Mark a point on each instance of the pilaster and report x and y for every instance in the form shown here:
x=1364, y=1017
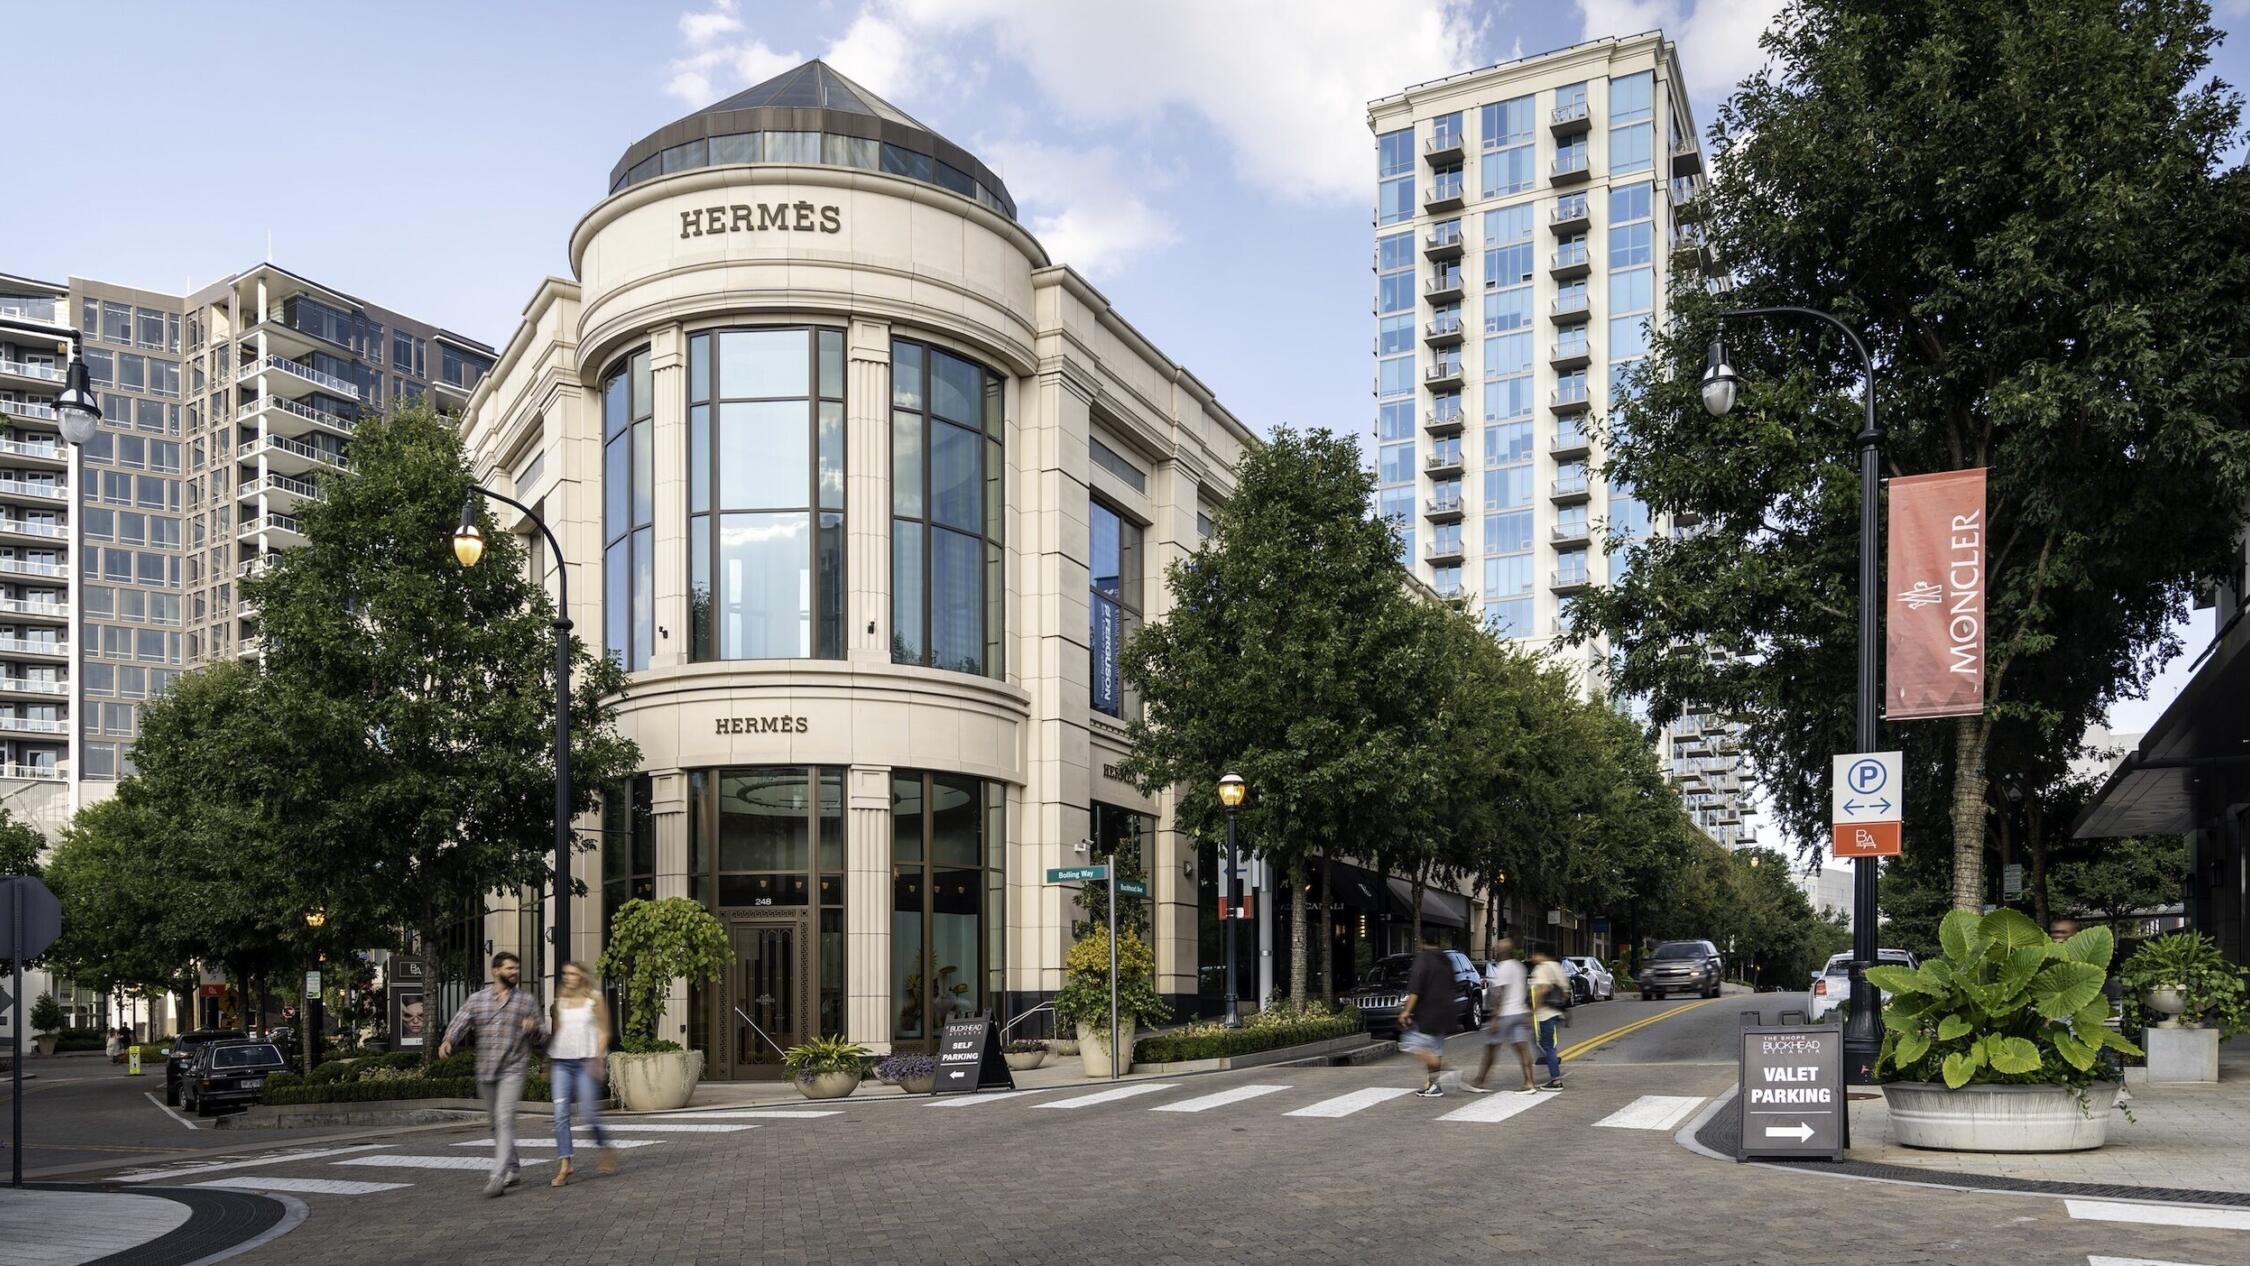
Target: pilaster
x=867, y=907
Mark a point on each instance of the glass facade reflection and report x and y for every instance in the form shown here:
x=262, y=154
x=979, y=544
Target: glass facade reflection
x=629, y=512
x=948, y=900
x=946, y=506
x=772, y=839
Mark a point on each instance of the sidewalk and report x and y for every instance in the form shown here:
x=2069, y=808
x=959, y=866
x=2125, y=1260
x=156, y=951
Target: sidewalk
x=48, y=1227
x=2187, y=1138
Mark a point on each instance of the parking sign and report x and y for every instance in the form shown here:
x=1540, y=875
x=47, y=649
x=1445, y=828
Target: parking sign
x=1866, y=805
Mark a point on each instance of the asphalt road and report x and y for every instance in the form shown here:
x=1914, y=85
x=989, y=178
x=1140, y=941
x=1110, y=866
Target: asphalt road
x=1276, y=1164
x=82, y=1110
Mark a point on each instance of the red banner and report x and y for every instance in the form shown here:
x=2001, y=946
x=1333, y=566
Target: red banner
x=1935, y=629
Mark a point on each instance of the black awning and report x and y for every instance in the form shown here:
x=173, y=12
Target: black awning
x=1446, y=909
x=2195, y=757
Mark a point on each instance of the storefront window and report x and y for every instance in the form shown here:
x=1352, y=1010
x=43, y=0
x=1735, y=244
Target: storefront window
x=766, y=494
x=628, y=847
x=946, y=506
x=948, y=850
x=773, y=839
x=628, y=513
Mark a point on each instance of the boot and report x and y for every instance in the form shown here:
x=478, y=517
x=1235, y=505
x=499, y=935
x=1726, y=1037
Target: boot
x=562, y=1172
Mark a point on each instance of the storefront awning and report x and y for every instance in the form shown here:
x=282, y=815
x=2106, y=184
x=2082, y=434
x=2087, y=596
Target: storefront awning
x=2194, y=759
x=1446, y=909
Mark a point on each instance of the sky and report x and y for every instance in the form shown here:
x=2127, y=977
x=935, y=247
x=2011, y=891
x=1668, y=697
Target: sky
x=1206, y=163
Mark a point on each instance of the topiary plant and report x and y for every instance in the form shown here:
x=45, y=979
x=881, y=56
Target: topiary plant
x=46, y=1015
x=653, y=944
x=2003, y=1004
x=1084, y=998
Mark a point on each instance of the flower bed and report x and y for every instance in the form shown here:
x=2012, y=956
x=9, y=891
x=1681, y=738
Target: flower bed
x=401, y=1075
x=1265, y=1031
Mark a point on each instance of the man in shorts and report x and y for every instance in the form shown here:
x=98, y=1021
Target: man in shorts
x=1430, y=1014
x=1508, y=995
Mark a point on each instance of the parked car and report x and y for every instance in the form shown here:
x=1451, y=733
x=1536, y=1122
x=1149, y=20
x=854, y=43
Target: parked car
x=1682, y=967
x=229, y=1074
x=1833, y=986
x=1600, y=985
x=179, y=1057
x=1581, y=989
x=1382, y=991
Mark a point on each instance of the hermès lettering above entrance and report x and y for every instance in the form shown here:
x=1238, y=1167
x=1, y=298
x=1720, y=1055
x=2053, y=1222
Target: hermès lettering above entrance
x=761, y=217
x=763, y=725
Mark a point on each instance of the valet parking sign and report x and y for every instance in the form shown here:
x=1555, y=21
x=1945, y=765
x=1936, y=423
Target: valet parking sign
x=1866, y=806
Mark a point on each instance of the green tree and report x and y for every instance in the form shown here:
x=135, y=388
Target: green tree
x=2115, y=878
x=123, y=921
x=1276, y=662
x=2021, y=208
x=20, y=845
x=652, y=946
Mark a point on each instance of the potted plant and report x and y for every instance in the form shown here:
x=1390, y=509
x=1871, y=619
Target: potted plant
x=46, y=1023
x=2185, y=979
x=1996, y=1045
x=1024, y=1054
x=654, y=945
x=827, y=1067
x=914, y=1074
x=1084, y=999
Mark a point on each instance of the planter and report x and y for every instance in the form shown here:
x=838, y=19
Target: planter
x=915, y=1085
x=2166, y=1002
x=657, y=1081
x=44, y=1043
x=1062, y=1047
x=833, y=1085
x=2182, y=1056
x=1999, y=1118
x=1024, y=1061
x=1093, y=1048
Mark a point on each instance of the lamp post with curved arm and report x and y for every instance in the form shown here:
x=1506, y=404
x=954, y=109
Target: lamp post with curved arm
x=1863, y=1038
x=468, y=550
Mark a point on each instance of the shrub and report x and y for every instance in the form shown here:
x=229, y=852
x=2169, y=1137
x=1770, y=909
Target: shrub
x=647, y=1046
x=535, y=1089
x=2210, y=986
x=1209, y=1041
x=1084, y=998
x=1024, y=1046
x=47, y=1016
x=652, y=944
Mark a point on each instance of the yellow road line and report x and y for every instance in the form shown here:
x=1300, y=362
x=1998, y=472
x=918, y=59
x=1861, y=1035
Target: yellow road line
x=1576, y=1049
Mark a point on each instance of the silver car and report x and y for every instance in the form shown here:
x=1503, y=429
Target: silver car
x=1600, y=985
x=1833, y=987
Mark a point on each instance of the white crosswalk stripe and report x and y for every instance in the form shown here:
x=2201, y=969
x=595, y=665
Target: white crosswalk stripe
x=972, y=1101
x=1346, y=1104
x=303, y=1186
x=431, y=1162
x=280, y=1158
x=2099, y=1260
x=752, y=1114
x=1107, y=1096
x=2159, y=1214
x=1499, y=1106
x=1205, y=1103
x=1651, y=1112
x=636, y=1127
x=577, y=1141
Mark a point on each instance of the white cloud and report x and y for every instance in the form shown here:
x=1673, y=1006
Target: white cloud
x=1718, y=39
x=701, y=29
x=875, y=53
x=1085, y=205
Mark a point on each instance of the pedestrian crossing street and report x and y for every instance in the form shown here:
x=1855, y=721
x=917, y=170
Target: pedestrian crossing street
x=378, y=1168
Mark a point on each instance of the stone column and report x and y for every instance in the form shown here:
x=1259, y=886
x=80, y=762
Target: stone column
x=867, y=496
x=867, y=907
x=668, y=363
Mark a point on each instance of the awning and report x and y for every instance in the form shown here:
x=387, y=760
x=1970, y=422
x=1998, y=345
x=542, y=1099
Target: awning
x=2196, y=756
x=1446, y=909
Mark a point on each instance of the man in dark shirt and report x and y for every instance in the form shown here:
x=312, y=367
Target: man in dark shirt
x=1431, y=1013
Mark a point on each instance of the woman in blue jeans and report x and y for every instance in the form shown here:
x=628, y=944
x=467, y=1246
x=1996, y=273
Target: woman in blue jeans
x=579, y=1025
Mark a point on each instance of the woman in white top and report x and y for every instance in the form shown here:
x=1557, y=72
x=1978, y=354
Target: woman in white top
x=579, y=1023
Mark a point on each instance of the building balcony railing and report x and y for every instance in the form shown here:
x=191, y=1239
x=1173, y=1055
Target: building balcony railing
x=1570, y=167
x=1570, y=117
x=1570, y=261
x=41, y=311
x=33, y=450
x=25, y=369
x=1444, y=195
x=1571, y=353
x=1444, y=145
x=1570, y=488
x=1569, y=438
x=1444, y=330
x=1444, y=421
x=1568, y=531
x=1443, y=507
x=33, y=686
x=29, y=410
x=1443, y=551
x=1570, y=303
x=25, y=567
x=26, y=527
x=1443, y=285
x=34, y=773
x=249, y=567
x=271, y=523
x=1569, y=396
x=327, y=382
x=301, y=488
x=1446, y=241
x=1446, y=371
x=1443, y=459
x=1454, y=593
x=25, y=488
x=278, y=444
x=1569, y=579
x=318, y=417
x=24, y=608
x=34, y=646
x=32, y=725
x=1570, y=213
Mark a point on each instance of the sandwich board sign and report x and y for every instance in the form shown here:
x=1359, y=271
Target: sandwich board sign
x=969, y=1060
x=1792, y=1092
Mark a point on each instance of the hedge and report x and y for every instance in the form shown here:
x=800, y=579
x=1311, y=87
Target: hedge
x=1168, y=1048
x=535, y=1090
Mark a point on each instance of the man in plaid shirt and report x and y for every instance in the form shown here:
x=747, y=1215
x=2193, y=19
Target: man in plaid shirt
x=506, y=1026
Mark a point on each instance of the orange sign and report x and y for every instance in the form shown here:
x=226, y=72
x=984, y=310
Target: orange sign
x=1935, y=626
x=1865, y=839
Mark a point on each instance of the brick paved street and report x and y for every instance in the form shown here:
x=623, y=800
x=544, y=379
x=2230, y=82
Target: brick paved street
x=1267, y=1165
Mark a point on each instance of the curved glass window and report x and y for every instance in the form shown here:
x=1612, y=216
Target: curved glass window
x=766, y=494
x=946, y=505
x=948, y=918
x=816, y=149
x=629, y=512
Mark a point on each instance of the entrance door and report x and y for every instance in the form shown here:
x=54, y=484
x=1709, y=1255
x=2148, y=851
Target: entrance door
x=768, y=991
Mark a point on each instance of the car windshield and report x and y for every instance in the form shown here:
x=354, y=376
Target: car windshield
x=1683, y=949
x=247, y=1055
x=1391, y=971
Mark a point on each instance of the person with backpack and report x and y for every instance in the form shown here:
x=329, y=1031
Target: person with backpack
x=1550, y=991
x=1431, y=1012
x=1508, y=1001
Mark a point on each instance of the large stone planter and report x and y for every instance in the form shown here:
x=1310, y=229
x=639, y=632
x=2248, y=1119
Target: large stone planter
x=2180, y=1056
x=2167, y=1003
x=44, y=1043
x=831, y=1085
x=1999, y=1118
x=1024, y=1061
x=657, y=1081
x=1093, y=1048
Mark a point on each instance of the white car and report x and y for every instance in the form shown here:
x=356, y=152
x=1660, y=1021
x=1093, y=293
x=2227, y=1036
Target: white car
x=1833, y=987
x=1600, y=985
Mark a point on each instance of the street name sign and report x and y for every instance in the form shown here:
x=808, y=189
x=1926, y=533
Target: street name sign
x=1866, y=805
x=969, y=1059
x=1076, y=874
x=1792, y=1093
x=1132, y=887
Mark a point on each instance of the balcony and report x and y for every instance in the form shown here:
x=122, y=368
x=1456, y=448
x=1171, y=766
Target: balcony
x=30, y=411
x=1689, y=246
x=1570, y=167
x=282, y=492
x=1445, y=459
x=33, y=773
x=1687, y=159
x=1446, y=241
x=43, y=374
x=1571, y=353
x=1444, y=147
x=1455, y=593
x=1443, y=286
x=1443, y=551
x=1570, y=397
x=290, y=417
x=27, y=609
x=32, y=725
x=281, y=527
x=26, y=567
x=33, y=490
x=33, y=686
x=1569, y=441
x=1444, y=331
x=38, y=311
x=35, y=648
x=288, y=378
x=1443, y=373
x=1572, y=260
x=249, y=567
x=1445, y=194
x=1442, y=509
x=1570, y=215
x=290, y=457
x=1570, y=118
x=34, y=451
x=1570, y=304
x=1568, y=580
x=10, y=526
x=1570, y=488
x=1445, y=421
x=1565, y=532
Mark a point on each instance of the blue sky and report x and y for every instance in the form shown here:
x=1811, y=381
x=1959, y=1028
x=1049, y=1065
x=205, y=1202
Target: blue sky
x=1207, y=163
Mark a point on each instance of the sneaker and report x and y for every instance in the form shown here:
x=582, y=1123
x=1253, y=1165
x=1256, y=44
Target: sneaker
x=1429, y=1092
x=1556, y=1084
x=513, y=1178
x=495, y=1186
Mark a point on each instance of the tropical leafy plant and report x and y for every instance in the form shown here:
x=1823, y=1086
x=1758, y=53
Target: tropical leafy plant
x=651, y=945
x=823, y=1055
x=1084, y=998
x=2210, y=987
x=2003, y=1004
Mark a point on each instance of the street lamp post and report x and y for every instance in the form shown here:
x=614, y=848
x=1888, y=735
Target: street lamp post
x=1863, y=1038
x=311, y=1019
x=1231, y=791
x=468, y=549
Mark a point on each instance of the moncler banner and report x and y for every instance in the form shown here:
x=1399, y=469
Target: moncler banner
x=1935, y=634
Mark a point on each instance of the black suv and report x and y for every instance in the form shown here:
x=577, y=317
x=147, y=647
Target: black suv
x=1382, y=991
x=1682, y=967
x=229, y=1073
x=180, y=1056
